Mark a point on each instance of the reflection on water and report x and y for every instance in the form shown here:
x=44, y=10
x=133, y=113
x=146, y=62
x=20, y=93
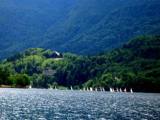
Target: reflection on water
x=38, y=104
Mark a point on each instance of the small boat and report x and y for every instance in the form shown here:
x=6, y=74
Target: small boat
x=120, y=90
x=84, y=89
x=103, y=89
x=50, y=88
x=87, y=89
x=55, y=88
x=30, y=86
x=131, y=90
x=117, y=90
x=91, y=89
x=96, y=89
x=111, y=90
x=71, y=88
x=125, y=90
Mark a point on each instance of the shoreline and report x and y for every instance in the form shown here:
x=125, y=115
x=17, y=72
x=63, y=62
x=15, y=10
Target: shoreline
x=8, y=86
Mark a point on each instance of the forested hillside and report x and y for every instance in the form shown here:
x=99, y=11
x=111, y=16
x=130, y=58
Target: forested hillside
x=135, y=65
x=77, y=26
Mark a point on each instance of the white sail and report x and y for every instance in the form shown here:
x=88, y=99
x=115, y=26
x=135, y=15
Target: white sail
x=55, y=88
x=103, y=89
x=87, y=89
x=96, y=89
x=117, y=90
x=71, y=88
x=131, y=90
x=111, y=90
x=30, y=86
x=91, y=89
x=125, y=90
x=50, y=88
x=120, y=90
x=84, y=89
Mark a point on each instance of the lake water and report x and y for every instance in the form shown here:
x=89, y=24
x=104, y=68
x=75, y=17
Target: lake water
x=39, y=104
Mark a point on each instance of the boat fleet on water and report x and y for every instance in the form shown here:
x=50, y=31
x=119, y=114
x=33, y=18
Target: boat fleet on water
x=112, y=90
x=121, y=90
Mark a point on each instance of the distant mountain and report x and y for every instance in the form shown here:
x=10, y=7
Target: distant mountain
x=78, y=26
x=135, y=65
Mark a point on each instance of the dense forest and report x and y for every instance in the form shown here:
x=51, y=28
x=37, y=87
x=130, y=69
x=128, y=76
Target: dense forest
x=135, y=65
x=77, y=26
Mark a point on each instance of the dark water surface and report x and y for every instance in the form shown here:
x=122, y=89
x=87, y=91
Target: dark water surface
x=38, y=104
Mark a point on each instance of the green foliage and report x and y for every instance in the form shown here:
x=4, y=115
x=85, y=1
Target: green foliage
x=20, y=80
x=4, y=75
x=14, y=80
x=135, y=65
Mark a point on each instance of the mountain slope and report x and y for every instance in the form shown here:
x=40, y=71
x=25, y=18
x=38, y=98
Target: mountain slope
x=135, y=65
x=106, y=25
x=78, y=26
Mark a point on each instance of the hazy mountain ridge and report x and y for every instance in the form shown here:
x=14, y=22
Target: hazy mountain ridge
x=78, y=26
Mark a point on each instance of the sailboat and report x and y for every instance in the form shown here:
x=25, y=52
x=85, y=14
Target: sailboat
x=91, y=89
x=96, y=89
x=103, y=89
x=125, y=90
x=84, y=89
x=55, y=88
x=111, y=90
x=30, y=86
x=50, y=88
x=87, y=89
x=117, y=90
x=131, y=90
x=71, y=88
x=120, y=90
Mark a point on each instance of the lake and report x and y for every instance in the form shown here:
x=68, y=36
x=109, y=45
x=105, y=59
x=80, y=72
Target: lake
x=43, y=104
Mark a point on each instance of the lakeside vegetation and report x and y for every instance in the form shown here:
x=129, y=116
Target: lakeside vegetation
x=135, y=65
